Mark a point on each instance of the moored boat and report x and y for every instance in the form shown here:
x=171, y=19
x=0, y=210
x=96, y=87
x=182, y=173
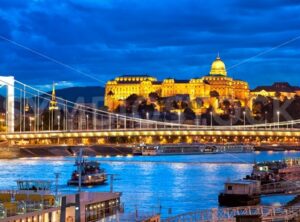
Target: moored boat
x=240, y=193
x=88, y=173
x=275, y=171
x=188, y=149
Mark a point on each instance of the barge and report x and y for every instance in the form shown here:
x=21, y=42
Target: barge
x=189, y=149
x=276, y=171
x=240, y=193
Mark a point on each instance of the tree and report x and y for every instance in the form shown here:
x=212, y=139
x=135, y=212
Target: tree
x=175, y=105
x=189, y=114
x=277, y=94
x=154, y=96
x=130, y=100
x=199, y=102
x=214, y=93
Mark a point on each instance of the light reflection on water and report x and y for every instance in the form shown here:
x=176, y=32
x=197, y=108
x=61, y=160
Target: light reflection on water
x=182, y=183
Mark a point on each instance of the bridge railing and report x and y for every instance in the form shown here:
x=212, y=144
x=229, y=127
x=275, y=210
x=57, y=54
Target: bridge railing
x=229, y=214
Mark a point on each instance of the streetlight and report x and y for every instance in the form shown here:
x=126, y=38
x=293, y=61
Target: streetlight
x=211, y=118
x=31, y=119
x=244, y=113
x=117, y=121
x=147, y=116
x=179, y=120
x=109, y=120
x=132, y=120
x=125, y=121
x=278, y=116
x=87, y=122
x=58, y=120
x=266, y=119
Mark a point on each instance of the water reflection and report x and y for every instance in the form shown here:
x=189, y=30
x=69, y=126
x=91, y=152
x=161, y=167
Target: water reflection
x=171, y=184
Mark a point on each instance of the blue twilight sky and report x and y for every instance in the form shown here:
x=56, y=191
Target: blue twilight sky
x=163, y=38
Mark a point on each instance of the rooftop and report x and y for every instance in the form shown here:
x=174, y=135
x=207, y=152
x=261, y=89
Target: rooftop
x=277, y=86
x=242, y=182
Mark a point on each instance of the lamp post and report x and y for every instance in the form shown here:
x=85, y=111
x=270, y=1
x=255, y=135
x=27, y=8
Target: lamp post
x=117, y=121
x=87, y=122
x=164, y=119
x=31, y=119
x=278, y=117
x=179, y=120
x=147, y=116
x=132, y=121
x=109, y=120
x=211, y=118
x=244, y=113
x=58, y=120
x=125, y=119
x=42, y=125
x=140, y=123
x=266, y=119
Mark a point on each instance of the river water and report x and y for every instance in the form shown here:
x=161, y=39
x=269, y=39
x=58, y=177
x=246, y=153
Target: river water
x=169, y=184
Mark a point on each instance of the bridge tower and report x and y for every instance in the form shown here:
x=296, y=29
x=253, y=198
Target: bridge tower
x=9, y=81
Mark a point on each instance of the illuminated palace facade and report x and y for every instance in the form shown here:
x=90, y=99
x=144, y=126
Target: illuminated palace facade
x=217, y=81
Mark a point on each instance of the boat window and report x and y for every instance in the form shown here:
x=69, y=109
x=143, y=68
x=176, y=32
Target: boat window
x=229, y=187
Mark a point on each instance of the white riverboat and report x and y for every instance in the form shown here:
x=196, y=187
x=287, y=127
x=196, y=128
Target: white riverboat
x=185, y=149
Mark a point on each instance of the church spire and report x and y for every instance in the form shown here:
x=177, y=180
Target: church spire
x=53, y=102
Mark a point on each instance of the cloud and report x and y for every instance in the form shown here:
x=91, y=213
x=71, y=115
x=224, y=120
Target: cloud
x=163, y=38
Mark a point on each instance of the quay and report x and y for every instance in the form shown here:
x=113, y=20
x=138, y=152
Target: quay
x=33, y=201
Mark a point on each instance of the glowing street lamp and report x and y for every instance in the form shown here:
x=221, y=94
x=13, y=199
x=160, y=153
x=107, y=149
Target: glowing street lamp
x=211, y=118
x=266, y=119
x=278, y=116
x=31, y=119
x=132, y=121
x=147, y=116
x=244, y=113
x=117, y=121
x=87, y=122
x=58, y=120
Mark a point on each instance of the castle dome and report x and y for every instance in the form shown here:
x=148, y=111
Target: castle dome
x=218, y=67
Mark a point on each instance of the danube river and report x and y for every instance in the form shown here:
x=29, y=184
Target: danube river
x=169, y=184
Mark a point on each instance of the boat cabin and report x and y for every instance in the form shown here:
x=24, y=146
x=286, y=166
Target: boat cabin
x=242, y=187
x=34, y=185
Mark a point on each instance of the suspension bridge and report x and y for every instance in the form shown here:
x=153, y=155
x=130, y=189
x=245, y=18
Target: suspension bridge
x=33, y=116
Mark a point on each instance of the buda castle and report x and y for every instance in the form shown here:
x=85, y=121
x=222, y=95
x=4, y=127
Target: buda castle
x=216, y=83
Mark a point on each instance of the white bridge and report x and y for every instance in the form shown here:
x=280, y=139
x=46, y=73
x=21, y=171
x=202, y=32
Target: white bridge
x=29, y=120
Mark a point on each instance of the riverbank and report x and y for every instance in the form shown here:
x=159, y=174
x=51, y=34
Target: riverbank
x=96, y=150
x=277, y=147
x=58, y=151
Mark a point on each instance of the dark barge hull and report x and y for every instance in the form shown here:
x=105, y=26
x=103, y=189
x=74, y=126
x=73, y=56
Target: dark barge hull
x=235, y=200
